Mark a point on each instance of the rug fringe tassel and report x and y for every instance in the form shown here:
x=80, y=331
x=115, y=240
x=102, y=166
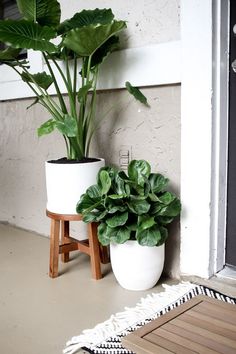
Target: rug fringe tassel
x=146, y=308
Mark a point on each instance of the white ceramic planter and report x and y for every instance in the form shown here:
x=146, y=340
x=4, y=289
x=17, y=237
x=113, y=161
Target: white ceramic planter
x=137, y=267
x=66, y=182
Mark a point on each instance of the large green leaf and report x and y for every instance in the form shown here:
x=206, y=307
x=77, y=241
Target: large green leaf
x=105, y=233
x=68, y=126
x=94, y=216
x=122, y=235
x=85, y=204
x=119, y=185
x=86, y=18
x=172, y=210
x=86, y=40
x=41, y=79
x=149, y=237
x=104, y=181
x=102, y=52
x=167, y=198
x=139, y=207
x=25, y=34
x=94, y=193
x=134, y=91
x=47, y=127
x=113, y=208
x=9, y=54
x=110, y=170
x=45, y=12
x=118, y=219
x=145, y=222
x=139, y=171
x=157, y=182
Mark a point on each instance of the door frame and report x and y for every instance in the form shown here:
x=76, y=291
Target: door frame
x=204, y=142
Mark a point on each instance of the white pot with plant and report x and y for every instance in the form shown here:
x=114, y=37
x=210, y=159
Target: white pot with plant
x=134, y=212
x=85, y=40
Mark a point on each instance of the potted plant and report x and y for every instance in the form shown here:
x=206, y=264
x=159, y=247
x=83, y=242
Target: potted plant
x=83, y=43
x=133, y=211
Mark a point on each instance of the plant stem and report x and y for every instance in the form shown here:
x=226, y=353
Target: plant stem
x=60, y=97
x=70, y=90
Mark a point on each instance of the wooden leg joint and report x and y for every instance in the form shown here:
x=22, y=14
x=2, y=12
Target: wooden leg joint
x=62, y=243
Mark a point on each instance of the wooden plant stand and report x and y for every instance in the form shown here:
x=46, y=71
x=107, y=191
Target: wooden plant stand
x=60, y=226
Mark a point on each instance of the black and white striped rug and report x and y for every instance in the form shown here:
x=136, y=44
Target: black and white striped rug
x=105, y=338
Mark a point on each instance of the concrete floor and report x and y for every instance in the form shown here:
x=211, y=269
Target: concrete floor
x=39, y=314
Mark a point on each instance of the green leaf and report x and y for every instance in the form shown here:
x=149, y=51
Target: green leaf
x=145, y=222
x=45, y=12
x=114, y=208
x=41, y=79
x=85, y=204
x=172, y=210
x=47, y=127
x=157, y=182
x=94, y=216
x=119, y=185
x=110, y=170
x=139, y=171
x=167, y=198
x=86, y=18
x=94, y=193
x=149, y=237
x=118, y=219
x=25, y=34
x=134, y=91
x=139, y=207
x=104, y=234
x=164, y=220
x=117, y=196
x=164, y=235
x=9, y=54
x=83, y=91
x=155, y=208
x=68, y=126
x=104, y=181
x=153, y=197
x=86, y=40
x=102, y=52
x=90, y=217
x=122, y=235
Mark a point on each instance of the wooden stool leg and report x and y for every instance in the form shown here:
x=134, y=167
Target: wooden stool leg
x=65, y=230
x=94, y=251
x=54, y=248
x=104, y=254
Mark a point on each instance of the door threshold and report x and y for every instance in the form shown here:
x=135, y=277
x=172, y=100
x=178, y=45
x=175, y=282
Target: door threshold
x=228, y=272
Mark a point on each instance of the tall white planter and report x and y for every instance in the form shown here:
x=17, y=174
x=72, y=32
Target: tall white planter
x=136, y=267
x=66, y=182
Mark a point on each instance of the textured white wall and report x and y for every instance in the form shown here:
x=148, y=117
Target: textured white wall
x=153, y=133
x=149, y=21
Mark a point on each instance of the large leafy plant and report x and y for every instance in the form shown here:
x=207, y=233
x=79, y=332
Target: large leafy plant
x=84, y=41
x=136, y=206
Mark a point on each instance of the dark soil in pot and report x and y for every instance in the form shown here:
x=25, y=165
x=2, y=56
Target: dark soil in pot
x=64, y=160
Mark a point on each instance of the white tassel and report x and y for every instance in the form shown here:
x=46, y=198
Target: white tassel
x=146, y=308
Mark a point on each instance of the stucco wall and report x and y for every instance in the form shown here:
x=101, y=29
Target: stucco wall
x=152, y=133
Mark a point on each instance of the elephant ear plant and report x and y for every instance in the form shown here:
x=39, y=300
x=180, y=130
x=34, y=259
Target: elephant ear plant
x=136, y=206
x=83, y=43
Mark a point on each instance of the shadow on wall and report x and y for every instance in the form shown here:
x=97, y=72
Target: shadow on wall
x=172, y=251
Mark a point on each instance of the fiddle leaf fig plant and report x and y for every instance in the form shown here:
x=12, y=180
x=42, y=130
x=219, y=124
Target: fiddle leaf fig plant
x=133, y=206
x=83, y=43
